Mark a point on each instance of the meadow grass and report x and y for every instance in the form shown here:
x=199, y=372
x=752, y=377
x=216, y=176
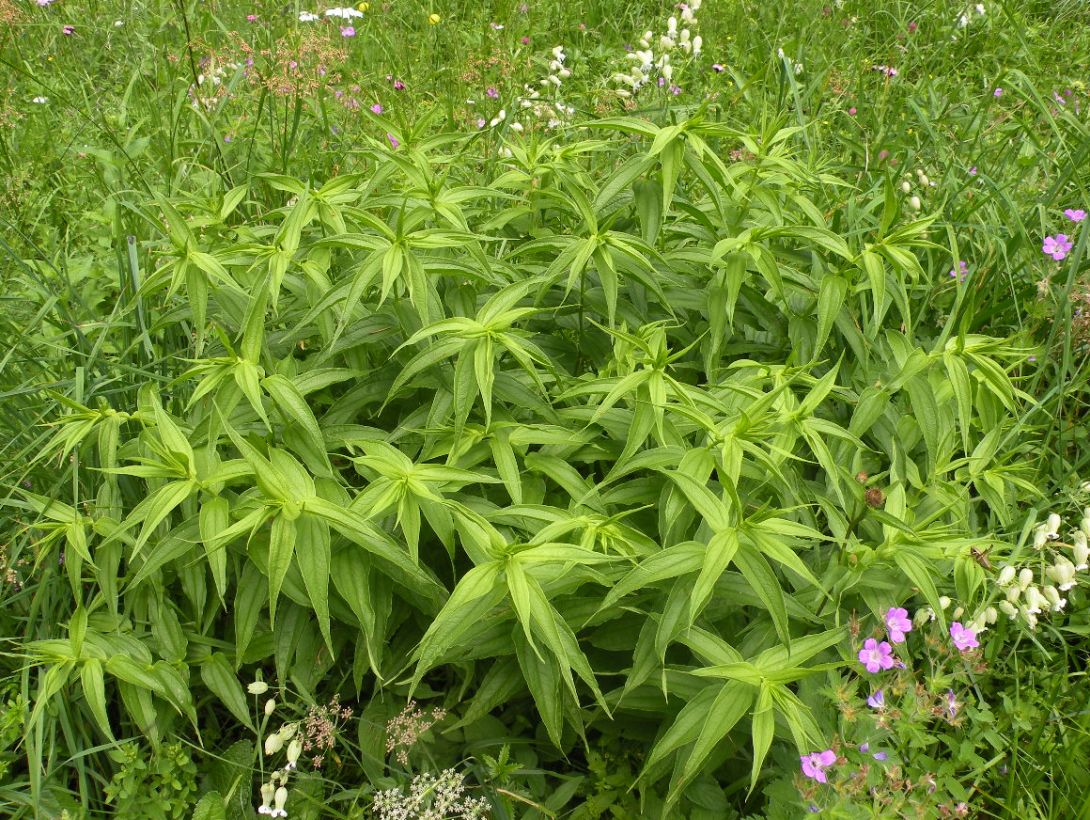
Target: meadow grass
x=606, y=428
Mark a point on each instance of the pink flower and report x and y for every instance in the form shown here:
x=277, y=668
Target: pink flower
x=1075, y=214
x=952, y=704
x=912, y=27
x=482, y=122
x=1056, y=246
x=877, y=700
x=897, y=620
x=393, y=140
x=348, y=31
x=963, y=638
x=524, y=40
x=851, y=111
x=814, y=765
x=961, y=273
x=376, y=109
x=875, y=656
x=68, y=31
x=998, y=92
x=492, y=92
x=398, y=85
x=718, y=68
x=972, y=171
x=251, y=18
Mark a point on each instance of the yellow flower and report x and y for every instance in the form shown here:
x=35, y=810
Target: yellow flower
x=434, y=19
x=363, y=6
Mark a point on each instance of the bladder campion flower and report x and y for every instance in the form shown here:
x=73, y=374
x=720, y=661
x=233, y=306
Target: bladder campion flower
x=898, y=623
x=963, y=637
x=814, y=765
x=875, y=656
x=1056, y=246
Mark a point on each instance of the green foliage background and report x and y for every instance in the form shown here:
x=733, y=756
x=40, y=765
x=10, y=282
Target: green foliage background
x=602, y=439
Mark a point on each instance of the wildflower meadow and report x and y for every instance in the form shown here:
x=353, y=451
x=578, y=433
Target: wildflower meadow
x=539, y=410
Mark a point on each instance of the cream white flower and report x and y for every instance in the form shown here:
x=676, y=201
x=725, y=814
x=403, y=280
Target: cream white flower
x=344, y=14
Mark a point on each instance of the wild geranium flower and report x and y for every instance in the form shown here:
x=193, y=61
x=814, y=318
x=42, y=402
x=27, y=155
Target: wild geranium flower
x=814, y=765
x=348, y=31
x=492, y=92
x=1075, y=214
x=68, y=31
x=393, y=140
x=1056, y=246
x=898, y=623
x=952, y=704
x=963, y=637
x=998, y=92
x=961, y=273
x=875, y=656
x=877, y=700
x=718, y=68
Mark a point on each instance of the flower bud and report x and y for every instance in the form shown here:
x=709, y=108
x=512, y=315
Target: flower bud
x=268, y=790
x=273, y=744
x=1040, y=538
x=958, y=613
x=1081, y=551
x=906, y=186
x=295, y=748
x=270, y=706
x=944, y=602
x=1006, y=576
x=1008, y=609
x=923, y=615
x=281, y=799
x=1052, y=595
x=258, y=687
x=1052, y=527
x=1025, y=577
x=1035, y=601
x=915, y=203
x=990, y=615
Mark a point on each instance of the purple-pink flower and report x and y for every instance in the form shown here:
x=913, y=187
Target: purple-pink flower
x=398, y=85
x=897, y=620
x=963, y=637
x=1056, y=246
x=961, y=273
x=718, y=68
x=998, y=92
x=393, y=140
x=814, y=765
x=492, y=92
x=376, y=108
x=952, y=704
x=877, y=700
x=348, y=31
x=1075, y=214
x=875, y=656
x=68, y=31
